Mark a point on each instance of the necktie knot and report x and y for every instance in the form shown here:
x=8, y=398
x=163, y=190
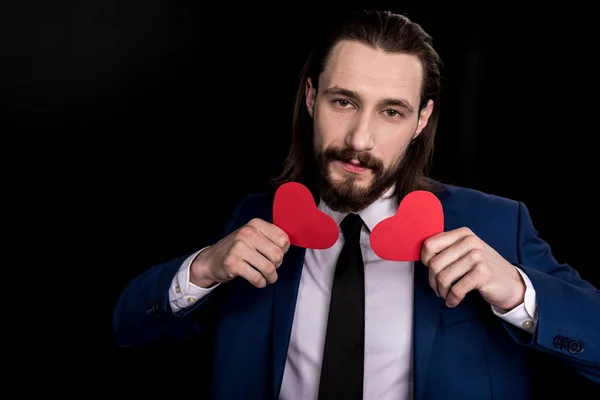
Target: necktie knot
x=351, y=226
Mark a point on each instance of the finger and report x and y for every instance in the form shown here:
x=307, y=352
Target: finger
x=245, y=249
x=450, y=275
x=436, y=243
x=257, y=241
x=249, y=273
x=273, y=253
x=272, y=232
x=471, y=281
x=441, y=261
x=262, y=264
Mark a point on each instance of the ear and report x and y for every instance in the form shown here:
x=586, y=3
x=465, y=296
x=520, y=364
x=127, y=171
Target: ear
x=423, y=118
x=309, y=94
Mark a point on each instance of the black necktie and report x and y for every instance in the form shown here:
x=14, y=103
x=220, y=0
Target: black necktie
x=343, y=357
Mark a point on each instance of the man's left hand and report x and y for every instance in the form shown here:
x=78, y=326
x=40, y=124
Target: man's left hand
x=460, y=262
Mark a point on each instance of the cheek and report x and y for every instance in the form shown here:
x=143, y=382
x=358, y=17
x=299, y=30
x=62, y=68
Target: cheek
x=392, y=144
x=329, y=127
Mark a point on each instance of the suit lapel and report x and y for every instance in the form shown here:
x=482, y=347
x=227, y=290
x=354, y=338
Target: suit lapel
x=426, y=319
x=285, y=292
x=427, y=310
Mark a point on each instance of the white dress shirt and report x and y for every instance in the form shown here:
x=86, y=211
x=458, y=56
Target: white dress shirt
x=388, y=314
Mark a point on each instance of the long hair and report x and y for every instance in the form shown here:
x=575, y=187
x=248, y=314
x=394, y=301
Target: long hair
x=392, y=33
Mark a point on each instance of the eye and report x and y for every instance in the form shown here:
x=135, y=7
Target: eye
x=342, y=103
x=393, y=113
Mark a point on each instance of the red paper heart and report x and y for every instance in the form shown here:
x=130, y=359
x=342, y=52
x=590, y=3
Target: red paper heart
x=400, y=237
x=296, y=213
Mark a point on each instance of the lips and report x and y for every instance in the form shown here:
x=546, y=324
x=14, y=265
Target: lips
x=354, y=168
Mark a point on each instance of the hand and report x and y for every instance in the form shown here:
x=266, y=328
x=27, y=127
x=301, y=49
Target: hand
x=253, y=252
x=460, y=262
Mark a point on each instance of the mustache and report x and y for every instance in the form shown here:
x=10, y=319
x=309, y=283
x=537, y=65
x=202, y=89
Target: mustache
x=346, y=155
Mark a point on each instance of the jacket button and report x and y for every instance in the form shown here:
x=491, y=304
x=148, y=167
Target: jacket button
x=557, y=341
x=576, y=347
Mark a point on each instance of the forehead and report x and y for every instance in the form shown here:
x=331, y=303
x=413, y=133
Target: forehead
x=372, y=72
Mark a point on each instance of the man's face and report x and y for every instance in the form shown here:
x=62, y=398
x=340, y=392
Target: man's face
x=365, y=116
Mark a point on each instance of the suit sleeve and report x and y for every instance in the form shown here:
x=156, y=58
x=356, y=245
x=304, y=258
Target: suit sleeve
x=568, y=307
x=143, y=315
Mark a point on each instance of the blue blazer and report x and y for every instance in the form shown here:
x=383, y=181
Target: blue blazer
x=459, y=353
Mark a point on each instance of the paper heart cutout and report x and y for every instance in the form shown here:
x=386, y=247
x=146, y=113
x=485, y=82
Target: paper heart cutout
x=296, y=213
x=400, y=237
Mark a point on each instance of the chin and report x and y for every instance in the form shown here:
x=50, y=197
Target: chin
x=347, y=181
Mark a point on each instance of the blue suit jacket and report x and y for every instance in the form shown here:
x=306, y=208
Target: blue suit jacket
x=460, y=353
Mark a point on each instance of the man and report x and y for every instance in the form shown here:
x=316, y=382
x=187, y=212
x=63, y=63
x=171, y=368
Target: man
x=472, y=319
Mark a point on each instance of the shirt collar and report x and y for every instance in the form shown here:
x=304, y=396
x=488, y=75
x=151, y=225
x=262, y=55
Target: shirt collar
x=382, y=208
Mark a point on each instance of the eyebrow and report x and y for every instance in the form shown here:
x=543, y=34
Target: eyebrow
x=338, y=91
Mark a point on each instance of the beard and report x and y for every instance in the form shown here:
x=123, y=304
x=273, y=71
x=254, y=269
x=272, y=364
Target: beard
x=346, y=195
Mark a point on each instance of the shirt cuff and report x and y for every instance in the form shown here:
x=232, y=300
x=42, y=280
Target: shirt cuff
x=184, y=293
x=524, y=315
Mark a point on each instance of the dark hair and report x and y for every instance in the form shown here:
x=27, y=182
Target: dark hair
x=390, y=32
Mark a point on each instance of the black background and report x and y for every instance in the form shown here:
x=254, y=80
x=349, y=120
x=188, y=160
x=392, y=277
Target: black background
x=132, y=128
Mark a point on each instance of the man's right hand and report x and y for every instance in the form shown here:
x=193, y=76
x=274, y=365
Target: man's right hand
x=253, y=252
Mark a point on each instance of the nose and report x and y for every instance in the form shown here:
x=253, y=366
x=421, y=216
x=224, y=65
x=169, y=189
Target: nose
x=360, y=137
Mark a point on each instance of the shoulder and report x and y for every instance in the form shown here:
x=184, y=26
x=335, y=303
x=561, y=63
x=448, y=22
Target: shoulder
x=488, y=214
x=477, y=207
x=254, y=205
x=478, y=198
